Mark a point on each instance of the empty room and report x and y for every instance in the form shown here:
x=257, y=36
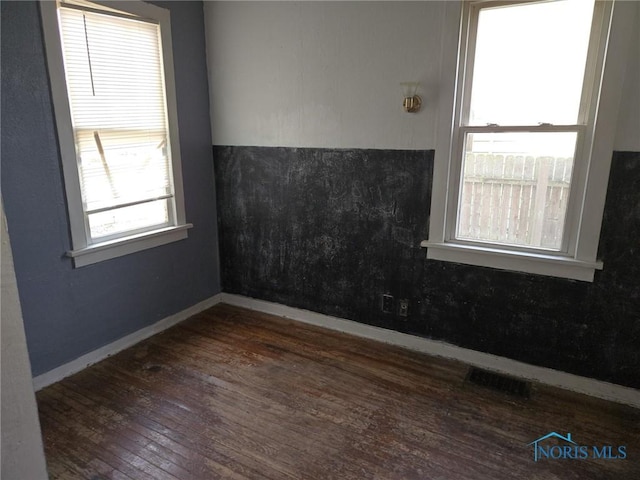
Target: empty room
x=310, y=240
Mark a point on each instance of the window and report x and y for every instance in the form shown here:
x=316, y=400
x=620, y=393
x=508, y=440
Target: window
x=111, y=72
x=520, y=180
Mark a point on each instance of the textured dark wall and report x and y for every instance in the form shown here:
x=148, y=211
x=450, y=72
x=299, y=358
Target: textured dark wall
x=319, y=229
x=69, y=312
x=331, y=230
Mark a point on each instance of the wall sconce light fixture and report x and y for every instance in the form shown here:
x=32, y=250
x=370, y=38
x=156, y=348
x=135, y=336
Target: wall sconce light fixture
x=412, y=102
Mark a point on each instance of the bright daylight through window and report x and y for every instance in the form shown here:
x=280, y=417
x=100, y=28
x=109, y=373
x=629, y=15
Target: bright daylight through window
x=522, y=162
x=124, y=154
x=527, y=75
x=116, y=95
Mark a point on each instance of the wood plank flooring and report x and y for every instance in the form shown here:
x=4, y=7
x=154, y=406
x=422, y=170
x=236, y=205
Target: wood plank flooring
x=235, y=394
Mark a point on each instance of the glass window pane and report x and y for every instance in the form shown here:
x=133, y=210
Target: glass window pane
x=126, y=219
x=124, y=170
x=530, y=63
x=115, y=82
x=515, y=188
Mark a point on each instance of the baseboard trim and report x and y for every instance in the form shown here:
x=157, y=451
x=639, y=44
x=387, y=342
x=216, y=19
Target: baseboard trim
x=547, y=376
x=74, y=366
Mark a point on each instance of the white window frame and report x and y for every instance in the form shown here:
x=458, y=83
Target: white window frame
x=577, y=260
x=83, y=251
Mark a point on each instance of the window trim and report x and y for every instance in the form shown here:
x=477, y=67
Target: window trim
x=580, y=261
x=82, y=252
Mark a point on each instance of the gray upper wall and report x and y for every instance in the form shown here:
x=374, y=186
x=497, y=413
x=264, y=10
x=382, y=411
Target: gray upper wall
x=327, y=74
x=69, y=312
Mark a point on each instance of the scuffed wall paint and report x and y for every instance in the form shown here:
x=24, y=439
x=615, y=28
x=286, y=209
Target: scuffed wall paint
x=331, y=230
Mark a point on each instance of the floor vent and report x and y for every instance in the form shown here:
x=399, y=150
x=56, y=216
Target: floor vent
x=499, y=382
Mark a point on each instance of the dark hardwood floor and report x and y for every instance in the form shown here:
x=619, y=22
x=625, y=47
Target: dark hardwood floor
x=235, y=394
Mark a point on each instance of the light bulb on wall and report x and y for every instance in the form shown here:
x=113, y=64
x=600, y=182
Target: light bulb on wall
x=412, y=102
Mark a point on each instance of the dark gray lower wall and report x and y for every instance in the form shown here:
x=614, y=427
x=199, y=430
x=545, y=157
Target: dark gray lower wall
x=69, y=312
x=332, y=230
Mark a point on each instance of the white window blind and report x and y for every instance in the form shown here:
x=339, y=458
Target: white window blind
x=115, y=82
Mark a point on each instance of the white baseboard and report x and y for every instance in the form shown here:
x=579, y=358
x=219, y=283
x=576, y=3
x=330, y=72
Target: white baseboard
x=547, y=376
x=74, y=366
x=568, y=381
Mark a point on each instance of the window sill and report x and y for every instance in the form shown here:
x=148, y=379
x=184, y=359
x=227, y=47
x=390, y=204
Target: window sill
x=536, y=263
x=99, y=252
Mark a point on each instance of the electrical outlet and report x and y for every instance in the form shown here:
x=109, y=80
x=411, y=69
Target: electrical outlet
x=403, y=307
x=387, y=303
